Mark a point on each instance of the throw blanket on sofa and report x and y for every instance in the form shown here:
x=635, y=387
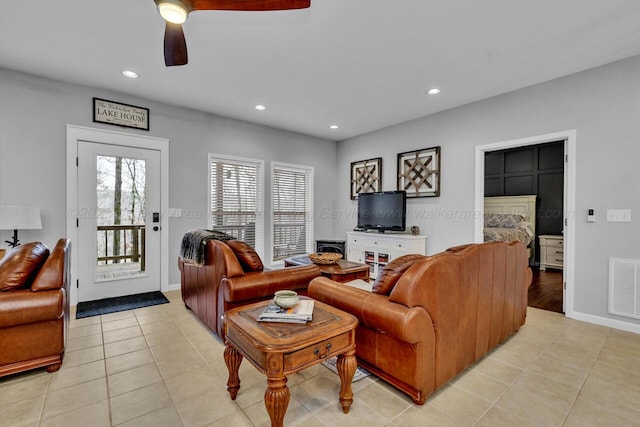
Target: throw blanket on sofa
x=194, y=242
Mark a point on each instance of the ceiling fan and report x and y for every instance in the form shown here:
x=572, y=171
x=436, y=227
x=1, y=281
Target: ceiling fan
x=175, y=13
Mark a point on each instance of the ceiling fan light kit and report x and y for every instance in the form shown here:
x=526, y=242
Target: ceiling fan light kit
x=175, y=13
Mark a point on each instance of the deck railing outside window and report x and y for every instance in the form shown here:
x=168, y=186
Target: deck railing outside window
x=131, y=240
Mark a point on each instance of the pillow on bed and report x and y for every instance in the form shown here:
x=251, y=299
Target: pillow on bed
x=503, y=220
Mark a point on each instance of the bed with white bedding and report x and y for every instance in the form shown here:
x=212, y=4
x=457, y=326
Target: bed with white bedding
x=511, y=218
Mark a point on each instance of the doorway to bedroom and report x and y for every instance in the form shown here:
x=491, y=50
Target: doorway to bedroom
x=536, y=169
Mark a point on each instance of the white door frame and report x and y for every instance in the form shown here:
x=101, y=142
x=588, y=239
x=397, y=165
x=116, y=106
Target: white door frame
x=75, y=133
x=569, y=136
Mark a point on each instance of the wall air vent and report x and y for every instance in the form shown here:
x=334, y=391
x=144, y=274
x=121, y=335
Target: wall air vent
x=624, y=287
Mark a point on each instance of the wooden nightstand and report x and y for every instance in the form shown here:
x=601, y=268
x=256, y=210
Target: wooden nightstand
x=551, y=251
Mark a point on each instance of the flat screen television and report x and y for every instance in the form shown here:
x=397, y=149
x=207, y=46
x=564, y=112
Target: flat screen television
x=382, y=211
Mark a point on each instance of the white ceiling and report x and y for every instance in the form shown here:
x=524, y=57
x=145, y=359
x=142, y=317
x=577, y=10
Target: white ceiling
x=361, y=64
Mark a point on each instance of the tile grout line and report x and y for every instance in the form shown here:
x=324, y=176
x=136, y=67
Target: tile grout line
x=520, y=375
x=44, y=399
x=595, y=360
x=106, y=377
x=155, y=362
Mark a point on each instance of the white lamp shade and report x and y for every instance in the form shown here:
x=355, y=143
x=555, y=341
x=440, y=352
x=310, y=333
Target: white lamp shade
x=14, y=217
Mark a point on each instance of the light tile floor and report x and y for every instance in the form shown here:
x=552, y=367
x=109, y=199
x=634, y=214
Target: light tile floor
x=159, y=366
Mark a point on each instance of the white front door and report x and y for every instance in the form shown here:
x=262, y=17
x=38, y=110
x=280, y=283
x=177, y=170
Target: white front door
x=118, y=220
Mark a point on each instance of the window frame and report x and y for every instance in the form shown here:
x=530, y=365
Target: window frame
x=309, y=223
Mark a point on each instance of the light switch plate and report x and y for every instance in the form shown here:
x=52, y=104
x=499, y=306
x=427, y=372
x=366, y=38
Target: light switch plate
x=618, y=215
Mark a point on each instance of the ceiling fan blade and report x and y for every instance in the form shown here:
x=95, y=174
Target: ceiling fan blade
x=250, y=5
x=175, y=45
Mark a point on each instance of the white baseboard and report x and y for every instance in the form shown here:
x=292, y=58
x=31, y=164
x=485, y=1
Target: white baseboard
x=605, y=321
x=174, y=287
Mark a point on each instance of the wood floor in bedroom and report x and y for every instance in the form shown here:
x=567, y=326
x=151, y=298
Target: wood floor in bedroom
x=545, y=291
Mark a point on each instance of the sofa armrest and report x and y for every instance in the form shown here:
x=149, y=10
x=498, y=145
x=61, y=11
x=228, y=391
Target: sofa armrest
x=263, y=284
x=23, y=306
x=374, y=310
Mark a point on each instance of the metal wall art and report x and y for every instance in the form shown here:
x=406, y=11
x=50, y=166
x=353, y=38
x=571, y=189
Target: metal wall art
x=366, y=176
x=419, y=172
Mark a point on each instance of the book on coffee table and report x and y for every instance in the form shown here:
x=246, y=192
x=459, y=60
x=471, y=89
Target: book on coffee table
x=302, y=312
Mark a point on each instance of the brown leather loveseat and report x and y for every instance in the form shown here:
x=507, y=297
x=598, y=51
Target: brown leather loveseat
x=233, y=275
x=434, y=316
x=34, y=307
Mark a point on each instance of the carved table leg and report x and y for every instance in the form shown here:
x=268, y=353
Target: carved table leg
x=346, y=365
x=276, y=399
x=232, y=359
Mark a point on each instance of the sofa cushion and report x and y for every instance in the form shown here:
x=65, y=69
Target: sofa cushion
x=21, y=264
x=52, y=274
x=391, y=272
x=248, y=257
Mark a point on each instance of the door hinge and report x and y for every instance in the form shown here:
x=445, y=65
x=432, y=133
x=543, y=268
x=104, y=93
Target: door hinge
x=566, y=222
x=564, y=285
x=77, y=283
x=77, y=161
x=77, y=222
x=566, y=158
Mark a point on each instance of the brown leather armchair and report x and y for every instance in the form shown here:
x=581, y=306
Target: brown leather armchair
x=34, y=307
x=232, y=276
x=431, y=317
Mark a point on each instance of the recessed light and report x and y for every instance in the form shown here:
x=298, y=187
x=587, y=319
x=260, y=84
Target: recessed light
x=260, y=107
x=334, y=127
x=130, y=74
x=433, y=91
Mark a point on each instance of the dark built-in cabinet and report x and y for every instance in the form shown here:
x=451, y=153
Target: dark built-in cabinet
x=535, y=169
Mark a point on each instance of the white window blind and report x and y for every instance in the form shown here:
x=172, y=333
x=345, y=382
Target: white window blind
x=292, y=214
x=236, y=198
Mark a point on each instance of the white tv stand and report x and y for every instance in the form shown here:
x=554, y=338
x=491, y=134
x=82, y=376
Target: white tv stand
x=378, y=249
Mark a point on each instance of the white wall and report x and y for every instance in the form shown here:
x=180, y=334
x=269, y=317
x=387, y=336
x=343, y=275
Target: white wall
x=602, y=105
x=33, y=115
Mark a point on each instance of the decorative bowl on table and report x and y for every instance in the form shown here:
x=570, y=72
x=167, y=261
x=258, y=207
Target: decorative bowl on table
x=286, y=299
x=325, y=257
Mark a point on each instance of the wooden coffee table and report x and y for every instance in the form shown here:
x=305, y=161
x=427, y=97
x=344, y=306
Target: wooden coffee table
x=342, y=271
x=281, y=349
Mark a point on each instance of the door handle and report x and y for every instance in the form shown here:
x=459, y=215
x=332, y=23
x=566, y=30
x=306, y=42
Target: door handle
x=156, y=228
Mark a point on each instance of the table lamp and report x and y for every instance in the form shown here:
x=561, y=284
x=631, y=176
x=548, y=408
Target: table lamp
x=15, y=217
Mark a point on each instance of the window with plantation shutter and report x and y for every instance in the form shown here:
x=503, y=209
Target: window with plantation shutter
x=292, y=212
x=236, y=198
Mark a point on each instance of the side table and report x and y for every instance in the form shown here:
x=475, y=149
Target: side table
x=281, y=349
x=551, y=251
x=342, y=271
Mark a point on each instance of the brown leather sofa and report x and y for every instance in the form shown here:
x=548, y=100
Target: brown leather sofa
x=34, y=307
x=232, y=276
x=442, y=314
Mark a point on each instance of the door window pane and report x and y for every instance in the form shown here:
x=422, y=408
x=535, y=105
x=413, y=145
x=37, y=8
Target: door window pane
x=120, y=217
